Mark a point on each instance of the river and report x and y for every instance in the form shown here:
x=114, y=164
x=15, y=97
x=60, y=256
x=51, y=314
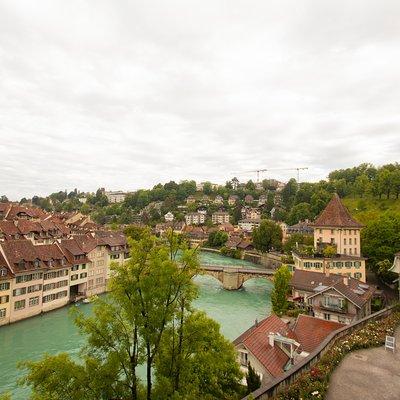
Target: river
x=55, y=332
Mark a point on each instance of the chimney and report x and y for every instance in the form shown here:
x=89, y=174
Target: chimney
x=256, y=322
x=271, y=339
x=346, y=280
x=327, y=272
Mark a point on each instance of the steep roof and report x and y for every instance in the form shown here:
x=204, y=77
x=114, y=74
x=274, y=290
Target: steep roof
x=311, y=331
x=336, y=214
x=355, y=291
x=256, y=340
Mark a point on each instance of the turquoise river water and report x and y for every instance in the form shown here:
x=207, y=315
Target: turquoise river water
x=55, y=332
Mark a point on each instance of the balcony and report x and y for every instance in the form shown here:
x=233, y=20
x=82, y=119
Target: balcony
x=333, y=307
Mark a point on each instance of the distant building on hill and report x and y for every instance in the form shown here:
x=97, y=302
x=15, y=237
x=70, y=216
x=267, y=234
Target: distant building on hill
x=220, y=217
x=116, y=196
x=195, y=218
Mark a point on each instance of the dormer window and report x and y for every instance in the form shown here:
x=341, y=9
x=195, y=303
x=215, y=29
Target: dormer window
x=21, y=264
x=3, y=272
x=62, y=261
x=36, y=263
x=50, y=263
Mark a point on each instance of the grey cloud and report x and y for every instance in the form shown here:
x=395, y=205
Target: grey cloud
x=126, y=94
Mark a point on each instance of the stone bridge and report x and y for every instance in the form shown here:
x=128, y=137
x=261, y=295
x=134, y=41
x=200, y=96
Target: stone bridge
x=232, y=278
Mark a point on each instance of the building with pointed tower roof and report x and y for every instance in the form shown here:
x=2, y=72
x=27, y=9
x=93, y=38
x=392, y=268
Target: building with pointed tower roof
x=335, y=227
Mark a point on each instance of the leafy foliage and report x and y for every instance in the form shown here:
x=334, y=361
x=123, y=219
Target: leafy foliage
x=281, y=289
x=253, y=380
x=268, y=236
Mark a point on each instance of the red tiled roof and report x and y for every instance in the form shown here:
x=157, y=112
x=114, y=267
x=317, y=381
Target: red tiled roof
x=8, y=228
x=256, y=341
x=336, y=214
x=311, y=331
x=25, y=226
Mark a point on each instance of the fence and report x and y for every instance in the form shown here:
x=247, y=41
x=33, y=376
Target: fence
x=279, y=384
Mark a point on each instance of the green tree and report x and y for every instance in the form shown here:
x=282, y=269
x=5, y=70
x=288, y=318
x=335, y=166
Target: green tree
x=380, y=239
x=289, y=193
x=281, y=290
x=195, y=360
x=329, y=251
x=253, y=380
x=299, y=212
x=297, y=239
x=268, y=236
x=217, y=238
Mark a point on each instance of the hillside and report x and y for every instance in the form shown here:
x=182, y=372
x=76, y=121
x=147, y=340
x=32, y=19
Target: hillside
x=367, y=209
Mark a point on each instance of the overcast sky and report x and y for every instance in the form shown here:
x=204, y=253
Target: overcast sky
x=125, y=94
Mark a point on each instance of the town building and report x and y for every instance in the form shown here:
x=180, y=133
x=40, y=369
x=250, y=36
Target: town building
x=169, y=217
x=248, y=199
x=302, y=227
x=249, y=224
x=233, y=199
x=220, y=217
x=335, y=227
x=190, y=200
x=219, y=200
x=116, y=196
x=272, y=347
x=195, y=218
x=332, y=297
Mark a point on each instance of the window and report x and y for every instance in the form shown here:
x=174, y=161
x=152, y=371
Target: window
x=344, y=241
x=54, y=296
x=3, y=313
x=29, y=277
x=99, y=281
x=332, y=231
x=55, y=274
x=318, y=265
x=19, y=291
x=355, y=240
x=348, y=264
x=344, y=251
x=350, y=251
x=75, y=268
x=320, y=231
x=243, y=358
x=34, y=288
x=33, y=301
x=21, y=264
x=357, y=275
x=5, y=286
x=349, y=240
x=83, y=266
x=90, y=283
x=74, y=277
x=54, y=285
x=357, y=264
x=19, y=305
x=3, y=272
x=83, y=275
x=307, y=264
x=327, y=317
x=114, y=256
x=339, y=264
x=4, y=299
x=36, y=263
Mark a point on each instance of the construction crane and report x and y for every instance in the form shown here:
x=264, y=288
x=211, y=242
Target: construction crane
x=258, y=171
